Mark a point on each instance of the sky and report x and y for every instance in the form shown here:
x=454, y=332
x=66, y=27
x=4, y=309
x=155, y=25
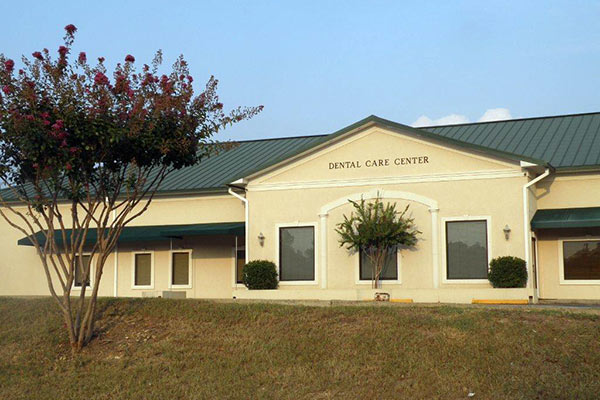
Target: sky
x=318, y=66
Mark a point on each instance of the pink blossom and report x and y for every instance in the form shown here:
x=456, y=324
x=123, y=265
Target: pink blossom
x=68, y=166
x=82, y=57
x=6, y=89
x=62, y=50
x=71, y=29
x=45, y=115
x=59, y=124
x=37, y=55
x=73, y=150
x=9, y=65
x=100, y=79
x=46, y=122
x=190, y=79
x=129, y=58
x=29, y=117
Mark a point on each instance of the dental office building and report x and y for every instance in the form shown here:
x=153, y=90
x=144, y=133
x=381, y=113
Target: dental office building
x=528, y=188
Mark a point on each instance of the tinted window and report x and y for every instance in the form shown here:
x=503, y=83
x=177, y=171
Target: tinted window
x=79, y=271
x=143, y=270
x=582, y=260
x=297, y=254
x=389, y=271
x=466, y=246
x=181, y=270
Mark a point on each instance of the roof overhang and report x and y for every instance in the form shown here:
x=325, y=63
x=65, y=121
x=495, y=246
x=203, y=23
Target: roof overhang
x=588, y=217
x=150, y=233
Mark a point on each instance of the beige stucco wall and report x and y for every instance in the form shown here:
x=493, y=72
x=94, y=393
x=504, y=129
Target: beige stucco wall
x=460, y=184
x=565, y=191
x=442, y=182
x=212, y=266
x=380, y=153
x=23, y=275
x=569, y=190
x=550, y=285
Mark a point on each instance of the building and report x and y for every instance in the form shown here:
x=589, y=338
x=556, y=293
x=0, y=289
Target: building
x=527, y=187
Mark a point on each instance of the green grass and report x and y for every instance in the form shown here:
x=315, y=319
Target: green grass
x=160, y=349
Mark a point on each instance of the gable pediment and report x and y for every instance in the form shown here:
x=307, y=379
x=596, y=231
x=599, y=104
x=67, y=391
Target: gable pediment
x=377, y=152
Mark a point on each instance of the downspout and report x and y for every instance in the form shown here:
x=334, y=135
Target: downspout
x=246, y=214
x=527, y=229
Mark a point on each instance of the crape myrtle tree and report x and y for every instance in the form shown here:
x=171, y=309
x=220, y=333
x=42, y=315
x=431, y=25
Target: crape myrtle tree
x=377, y=230
x=84, y=153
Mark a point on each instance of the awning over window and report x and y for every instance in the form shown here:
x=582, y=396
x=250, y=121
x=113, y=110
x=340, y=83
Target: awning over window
x=155, y=232
x=566, y=218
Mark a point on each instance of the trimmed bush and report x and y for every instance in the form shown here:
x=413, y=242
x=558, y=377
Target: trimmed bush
x=508, y=272
x=260, y=274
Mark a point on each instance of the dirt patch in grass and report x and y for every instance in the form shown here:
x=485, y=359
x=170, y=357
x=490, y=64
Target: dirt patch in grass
x=156, y=349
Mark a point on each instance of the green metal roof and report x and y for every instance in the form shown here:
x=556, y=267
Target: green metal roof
x=566, y=218
x=566, y=142
x=153, y=232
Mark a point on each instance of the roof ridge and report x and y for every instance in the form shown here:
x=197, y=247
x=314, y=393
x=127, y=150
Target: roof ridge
x=508, y=120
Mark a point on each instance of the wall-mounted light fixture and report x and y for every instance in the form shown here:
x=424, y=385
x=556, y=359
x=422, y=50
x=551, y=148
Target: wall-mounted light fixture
x=506, y=231
x=261, y=239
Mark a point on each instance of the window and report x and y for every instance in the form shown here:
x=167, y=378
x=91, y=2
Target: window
x=240, y=261
x=297, y=253
x=389, y=272
x=82, y=263
x=466, y=250
x=581, y=260
x=142, y=270
x=181, y=268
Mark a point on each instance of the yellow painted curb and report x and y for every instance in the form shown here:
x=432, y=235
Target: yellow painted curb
x=519, y=302
x=401, y=300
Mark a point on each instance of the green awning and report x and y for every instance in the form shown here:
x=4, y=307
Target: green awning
x=588, y=217
x=154, y=232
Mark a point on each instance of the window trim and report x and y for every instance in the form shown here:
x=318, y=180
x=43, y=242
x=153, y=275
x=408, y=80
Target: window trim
x=133, y=254
x=297, y=224
x=92, y=270
x=465, y=218
x=190, y=269
x=359, y=281
x=561, y=262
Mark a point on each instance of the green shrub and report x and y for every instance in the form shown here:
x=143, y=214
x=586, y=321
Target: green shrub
x=508, y=272
x=260, y=274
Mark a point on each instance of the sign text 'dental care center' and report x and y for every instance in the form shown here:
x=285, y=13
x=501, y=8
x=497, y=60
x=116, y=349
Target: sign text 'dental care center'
x=379, y=162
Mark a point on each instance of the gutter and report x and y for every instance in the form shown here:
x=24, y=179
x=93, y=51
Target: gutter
x=246, y=214
x=527, y=230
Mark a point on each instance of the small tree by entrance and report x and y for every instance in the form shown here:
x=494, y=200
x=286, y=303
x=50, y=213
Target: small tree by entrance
x=82, y=153
x=377, y=230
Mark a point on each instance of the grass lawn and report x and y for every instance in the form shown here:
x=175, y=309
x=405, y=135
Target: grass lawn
x=169, y=349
